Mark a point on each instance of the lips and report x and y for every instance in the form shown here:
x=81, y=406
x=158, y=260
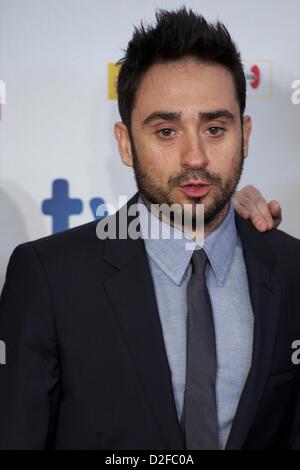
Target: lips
x=194, y=183
x=195, y=188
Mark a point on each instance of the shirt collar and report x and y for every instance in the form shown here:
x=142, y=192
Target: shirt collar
x=167, y=246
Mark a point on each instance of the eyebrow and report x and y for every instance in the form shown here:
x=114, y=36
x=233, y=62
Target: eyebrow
x=211, y=116
x=175, y=117
x=162, y=115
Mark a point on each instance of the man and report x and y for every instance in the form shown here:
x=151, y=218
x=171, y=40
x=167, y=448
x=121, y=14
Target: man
x=99, y=333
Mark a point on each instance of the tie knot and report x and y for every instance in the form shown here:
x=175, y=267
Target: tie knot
x=199, y=262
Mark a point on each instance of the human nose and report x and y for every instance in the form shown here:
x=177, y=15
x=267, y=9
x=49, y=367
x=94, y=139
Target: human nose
x=193, y=153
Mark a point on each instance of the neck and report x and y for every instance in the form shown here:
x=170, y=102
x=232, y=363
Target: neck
x=216, y=222
x=209, y=227
x=194, y=235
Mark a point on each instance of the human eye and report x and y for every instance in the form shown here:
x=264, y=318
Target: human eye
x=216, y=131
x=165, y=133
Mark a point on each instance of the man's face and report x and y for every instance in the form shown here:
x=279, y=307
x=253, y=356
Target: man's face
x=187, y=136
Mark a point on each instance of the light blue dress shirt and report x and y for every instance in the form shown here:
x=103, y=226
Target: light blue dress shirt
x=227, y=284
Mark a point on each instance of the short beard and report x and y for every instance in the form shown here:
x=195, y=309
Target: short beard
x=152, y=193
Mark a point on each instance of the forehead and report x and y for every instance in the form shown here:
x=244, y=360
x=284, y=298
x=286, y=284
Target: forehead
x=186, y=86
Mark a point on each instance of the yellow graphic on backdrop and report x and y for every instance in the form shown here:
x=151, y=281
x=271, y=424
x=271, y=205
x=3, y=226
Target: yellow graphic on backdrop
x=113, y=72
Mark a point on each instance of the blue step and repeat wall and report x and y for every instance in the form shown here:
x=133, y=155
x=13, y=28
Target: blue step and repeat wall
x=58, y=157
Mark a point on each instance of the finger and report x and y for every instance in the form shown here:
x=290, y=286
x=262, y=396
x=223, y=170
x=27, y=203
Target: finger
x=256, y=202
x=275, y=208
x=263, y=208
x=251, y=199
x=254, y=214
x=241, y=210
x=251, y=193
x=254, y=196
x=259, y=221
x=276, y=212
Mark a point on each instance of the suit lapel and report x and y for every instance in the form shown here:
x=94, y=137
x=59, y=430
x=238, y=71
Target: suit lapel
x=131, y=293
x=266, y=303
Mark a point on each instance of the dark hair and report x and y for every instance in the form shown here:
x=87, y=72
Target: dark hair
x=176, y=35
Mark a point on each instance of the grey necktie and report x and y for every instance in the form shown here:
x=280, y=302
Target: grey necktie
x=199, y=417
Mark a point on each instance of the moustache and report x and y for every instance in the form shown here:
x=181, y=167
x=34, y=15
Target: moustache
x=203, y=175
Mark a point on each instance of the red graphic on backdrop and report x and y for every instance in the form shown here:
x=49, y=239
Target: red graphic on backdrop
x=254, y=83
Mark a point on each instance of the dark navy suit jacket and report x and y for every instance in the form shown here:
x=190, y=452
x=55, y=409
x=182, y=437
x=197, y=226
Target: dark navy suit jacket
x=86, y=362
